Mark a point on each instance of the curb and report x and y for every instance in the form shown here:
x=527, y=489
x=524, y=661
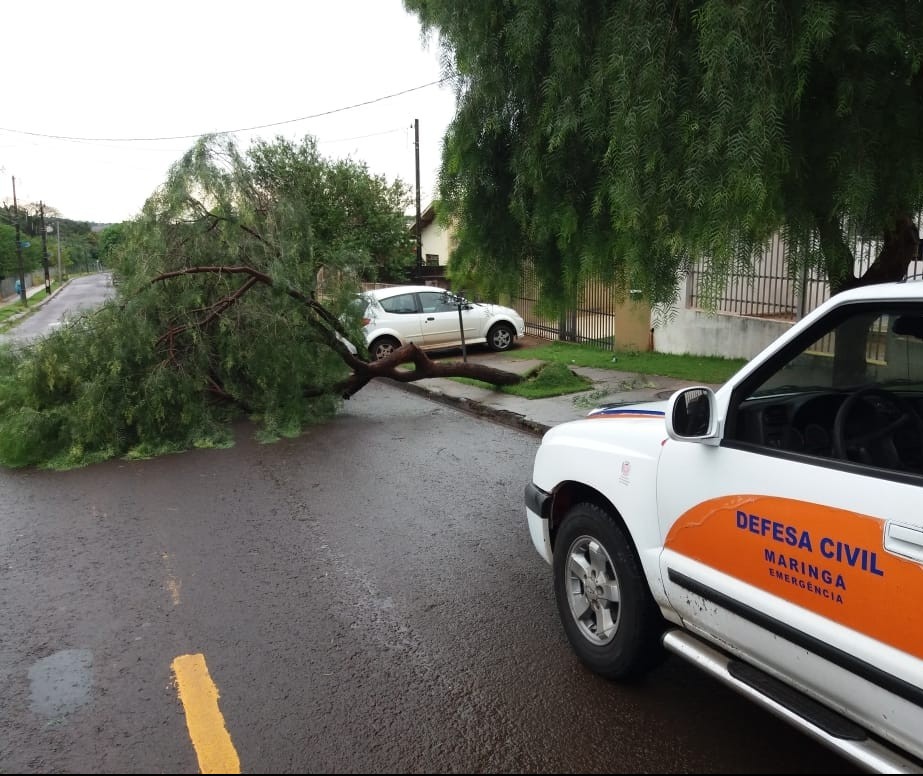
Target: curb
x=504, y=417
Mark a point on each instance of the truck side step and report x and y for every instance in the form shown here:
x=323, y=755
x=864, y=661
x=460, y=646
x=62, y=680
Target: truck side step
x=820, y=723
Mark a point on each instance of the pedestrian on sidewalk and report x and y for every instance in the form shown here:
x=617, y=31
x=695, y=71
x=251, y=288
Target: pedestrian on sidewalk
x=18, y=287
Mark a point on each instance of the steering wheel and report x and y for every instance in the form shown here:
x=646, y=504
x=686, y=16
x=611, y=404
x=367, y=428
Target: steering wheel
x=875, y=444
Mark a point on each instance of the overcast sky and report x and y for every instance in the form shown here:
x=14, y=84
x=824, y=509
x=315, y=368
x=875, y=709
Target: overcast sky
x=132, y=84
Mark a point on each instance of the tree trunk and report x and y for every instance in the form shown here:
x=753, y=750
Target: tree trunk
x=423, y=367
x=901, y=247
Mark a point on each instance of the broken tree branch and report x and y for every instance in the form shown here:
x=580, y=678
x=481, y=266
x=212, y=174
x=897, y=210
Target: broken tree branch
x=331, y=333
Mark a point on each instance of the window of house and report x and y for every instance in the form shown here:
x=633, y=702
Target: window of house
x=432, y=259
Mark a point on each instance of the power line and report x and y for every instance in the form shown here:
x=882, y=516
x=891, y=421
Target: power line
x=322, y=141
x=227, y=131
x=95, y=143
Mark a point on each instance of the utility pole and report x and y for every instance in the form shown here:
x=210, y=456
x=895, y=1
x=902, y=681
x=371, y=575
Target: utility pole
x=416, y=143
x=41, y=207
x=22, y=272
x=60, y=272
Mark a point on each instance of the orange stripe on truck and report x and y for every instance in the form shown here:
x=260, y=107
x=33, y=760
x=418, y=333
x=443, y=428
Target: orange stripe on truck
x=828, y=560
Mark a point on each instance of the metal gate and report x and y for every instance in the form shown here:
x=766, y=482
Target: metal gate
x=591, y=321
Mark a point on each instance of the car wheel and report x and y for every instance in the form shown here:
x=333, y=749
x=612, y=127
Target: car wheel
x=382, y=347
x=501, y=336
x=607, y=610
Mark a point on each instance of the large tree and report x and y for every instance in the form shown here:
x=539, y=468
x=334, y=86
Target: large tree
x=234, y=297
x=629, y=138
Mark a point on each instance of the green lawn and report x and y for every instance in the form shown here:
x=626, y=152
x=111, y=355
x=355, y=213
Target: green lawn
x=555, y=378
x=703, y=369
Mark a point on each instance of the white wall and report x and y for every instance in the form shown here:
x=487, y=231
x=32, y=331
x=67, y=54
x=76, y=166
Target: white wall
x=715, y=334
x=435, y=239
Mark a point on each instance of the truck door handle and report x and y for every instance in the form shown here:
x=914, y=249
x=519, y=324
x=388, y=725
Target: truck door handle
x=431, y=318
x=904, y=541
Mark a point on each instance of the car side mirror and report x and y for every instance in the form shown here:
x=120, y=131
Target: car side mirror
x=692, y=414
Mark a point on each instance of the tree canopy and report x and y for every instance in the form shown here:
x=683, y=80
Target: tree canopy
x=629, y=139
x=234, y=298
x=78, y=241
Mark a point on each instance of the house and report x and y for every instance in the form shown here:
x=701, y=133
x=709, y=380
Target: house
x=436, y=243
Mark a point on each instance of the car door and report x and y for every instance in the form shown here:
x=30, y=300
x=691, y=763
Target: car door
x=440, y=321
x=805, y=562
x=402, y=315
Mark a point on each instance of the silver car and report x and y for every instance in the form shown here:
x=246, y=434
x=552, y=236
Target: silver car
x=429, y=317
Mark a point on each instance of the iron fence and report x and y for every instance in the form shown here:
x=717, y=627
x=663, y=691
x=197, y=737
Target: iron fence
x=769, y=290
x=591, y=320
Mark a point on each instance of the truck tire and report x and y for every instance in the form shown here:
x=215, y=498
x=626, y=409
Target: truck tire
x=604, y=603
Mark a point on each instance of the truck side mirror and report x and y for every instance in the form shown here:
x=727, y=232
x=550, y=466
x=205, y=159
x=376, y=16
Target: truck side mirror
x=692, y=414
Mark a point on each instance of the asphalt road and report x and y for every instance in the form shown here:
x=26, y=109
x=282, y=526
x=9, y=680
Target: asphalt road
x=79, y=295
x=364, y=598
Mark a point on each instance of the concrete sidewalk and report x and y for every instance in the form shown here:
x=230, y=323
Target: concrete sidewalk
x=538, y=415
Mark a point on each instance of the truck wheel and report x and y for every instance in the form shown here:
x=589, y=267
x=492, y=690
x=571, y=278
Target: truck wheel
x=603, y=600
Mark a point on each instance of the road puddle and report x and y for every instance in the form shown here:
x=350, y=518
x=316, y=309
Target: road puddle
x=61, y=683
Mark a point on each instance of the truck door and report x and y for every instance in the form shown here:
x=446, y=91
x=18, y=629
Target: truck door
x=799, y=535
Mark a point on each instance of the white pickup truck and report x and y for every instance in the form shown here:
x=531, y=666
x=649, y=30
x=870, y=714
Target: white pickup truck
x=770, y=532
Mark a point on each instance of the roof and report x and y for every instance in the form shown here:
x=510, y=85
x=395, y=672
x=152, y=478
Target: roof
x=381, y=293
x=427, y=216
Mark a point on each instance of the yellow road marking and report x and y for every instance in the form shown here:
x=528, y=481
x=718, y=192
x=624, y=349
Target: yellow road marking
x=199, y=696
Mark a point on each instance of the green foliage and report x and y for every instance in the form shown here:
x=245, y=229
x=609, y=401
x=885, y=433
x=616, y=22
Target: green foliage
x=174, y=360
x=78, y=241
x=8, y=259
x=79, y=252
x=110, y=239
x=629, y=139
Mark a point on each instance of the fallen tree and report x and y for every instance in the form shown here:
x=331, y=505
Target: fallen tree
x=236, y=297
x=110, y=383
x=332, y=332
